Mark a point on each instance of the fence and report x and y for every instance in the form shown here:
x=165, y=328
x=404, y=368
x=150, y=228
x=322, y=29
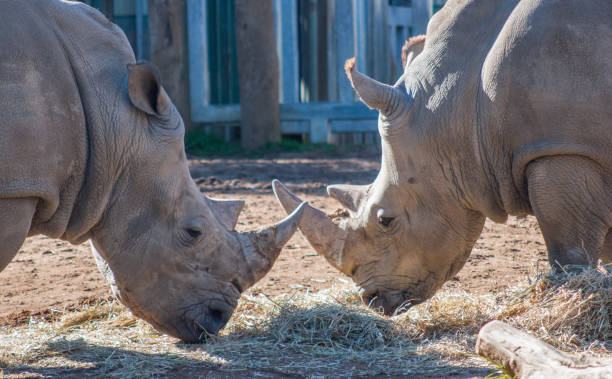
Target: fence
x=314, y=38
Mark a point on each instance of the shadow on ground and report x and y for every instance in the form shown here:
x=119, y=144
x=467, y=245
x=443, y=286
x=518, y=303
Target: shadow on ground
x=256, y=175
x=309, y=342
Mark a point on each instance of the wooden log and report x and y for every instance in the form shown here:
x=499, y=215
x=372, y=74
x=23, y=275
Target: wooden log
x=527, y=357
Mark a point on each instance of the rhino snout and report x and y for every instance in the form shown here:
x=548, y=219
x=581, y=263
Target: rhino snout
x=390, y=302
x=208, y=321
x=214, y=319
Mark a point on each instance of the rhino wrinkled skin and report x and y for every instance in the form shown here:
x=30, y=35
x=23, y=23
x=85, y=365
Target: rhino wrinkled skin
x=507, y=111
x=92, y=148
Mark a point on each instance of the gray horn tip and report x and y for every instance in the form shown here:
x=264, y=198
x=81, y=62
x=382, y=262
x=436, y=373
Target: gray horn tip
x=287, y=199
x=289, y=225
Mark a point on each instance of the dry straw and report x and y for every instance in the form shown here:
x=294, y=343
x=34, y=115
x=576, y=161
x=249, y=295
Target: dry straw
x=324, y=334
x=570, y=310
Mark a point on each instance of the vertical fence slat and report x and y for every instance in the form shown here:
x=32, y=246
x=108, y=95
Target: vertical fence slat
x=361, y=24
x=331, y=56
x=421, y=13
x=198, y=56
x=139, y=29
x=345, y=46
x=287, y=47
x=318, y=129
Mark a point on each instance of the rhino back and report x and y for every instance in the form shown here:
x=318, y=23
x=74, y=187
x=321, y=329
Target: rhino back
x=546, y=90
x=59, y=66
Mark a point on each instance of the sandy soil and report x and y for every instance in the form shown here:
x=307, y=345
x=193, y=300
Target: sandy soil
x=49, y=276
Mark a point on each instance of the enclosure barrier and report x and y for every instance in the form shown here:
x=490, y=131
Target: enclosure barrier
x=372, y=31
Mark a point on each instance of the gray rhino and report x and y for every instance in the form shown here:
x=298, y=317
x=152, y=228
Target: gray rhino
x=508, y=110
x=92, y=148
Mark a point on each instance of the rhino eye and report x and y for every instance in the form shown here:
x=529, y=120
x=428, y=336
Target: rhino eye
x=193, y=233
x=385, y=221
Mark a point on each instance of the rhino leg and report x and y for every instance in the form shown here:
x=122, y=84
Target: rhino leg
x=568, y=197
x=15, y=219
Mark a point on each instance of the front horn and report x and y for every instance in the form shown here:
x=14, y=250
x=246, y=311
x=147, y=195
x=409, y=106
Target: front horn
x=262, y=247
x=322, y=233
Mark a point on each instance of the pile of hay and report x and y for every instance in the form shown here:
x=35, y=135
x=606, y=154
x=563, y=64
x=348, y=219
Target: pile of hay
x=327, y=333
x=570, y=310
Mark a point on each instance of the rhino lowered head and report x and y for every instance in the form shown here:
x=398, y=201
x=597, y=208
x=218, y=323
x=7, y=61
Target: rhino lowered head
x=207, y=279
x=170, y=253
x=406, y=233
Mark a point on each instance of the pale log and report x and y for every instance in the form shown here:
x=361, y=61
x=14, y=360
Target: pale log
x=527, y=357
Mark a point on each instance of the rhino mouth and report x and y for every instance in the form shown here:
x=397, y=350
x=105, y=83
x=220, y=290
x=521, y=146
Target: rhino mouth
x=388, y=302
x=202, y=321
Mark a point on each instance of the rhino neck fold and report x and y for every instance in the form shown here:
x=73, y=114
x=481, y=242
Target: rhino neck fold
x=101, y=79
x=446, y=81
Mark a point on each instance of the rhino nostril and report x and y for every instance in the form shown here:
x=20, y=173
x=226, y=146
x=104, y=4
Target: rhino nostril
x=237, y=285
x=216, y=315
x=214, y=319
x=218, y=318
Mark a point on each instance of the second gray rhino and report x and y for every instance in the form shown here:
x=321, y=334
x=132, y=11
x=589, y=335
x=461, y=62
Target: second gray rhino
x=506, y=111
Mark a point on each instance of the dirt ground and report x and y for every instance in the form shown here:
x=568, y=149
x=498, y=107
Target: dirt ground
x=49, y=276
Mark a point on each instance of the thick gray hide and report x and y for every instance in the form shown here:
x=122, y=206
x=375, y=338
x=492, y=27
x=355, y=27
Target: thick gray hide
x=508, y=110
x=91, y=147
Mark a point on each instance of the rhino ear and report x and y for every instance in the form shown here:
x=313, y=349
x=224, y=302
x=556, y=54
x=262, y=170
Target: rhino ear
x=227, y=211
x=145, y=90
x=349, y=196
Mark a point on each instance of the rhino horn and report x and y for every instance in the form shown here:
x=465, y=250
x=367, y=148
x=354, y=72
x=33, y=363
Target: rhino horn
x=350, y=196
x=388, y=100
x=322, y=233
x=227, y=211
x=262, y=247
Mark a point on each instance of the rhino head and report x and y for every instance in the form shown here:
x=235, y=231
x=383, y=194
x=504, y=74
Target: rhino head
x=170, y=253
x=410, y=230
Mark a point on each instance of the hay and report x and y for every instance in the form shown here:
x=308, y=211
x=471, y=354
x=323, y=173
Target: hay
x=329, y=333
x=87, y=314
x=569, y=310
x=334, y=327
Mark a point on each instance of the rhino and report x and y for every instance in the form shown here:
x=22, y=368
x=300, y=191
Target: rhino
x=507, y=111
x=91, y=148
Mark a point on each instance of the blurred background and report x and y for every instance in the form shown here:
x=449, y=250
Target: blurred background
x=251, y=71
